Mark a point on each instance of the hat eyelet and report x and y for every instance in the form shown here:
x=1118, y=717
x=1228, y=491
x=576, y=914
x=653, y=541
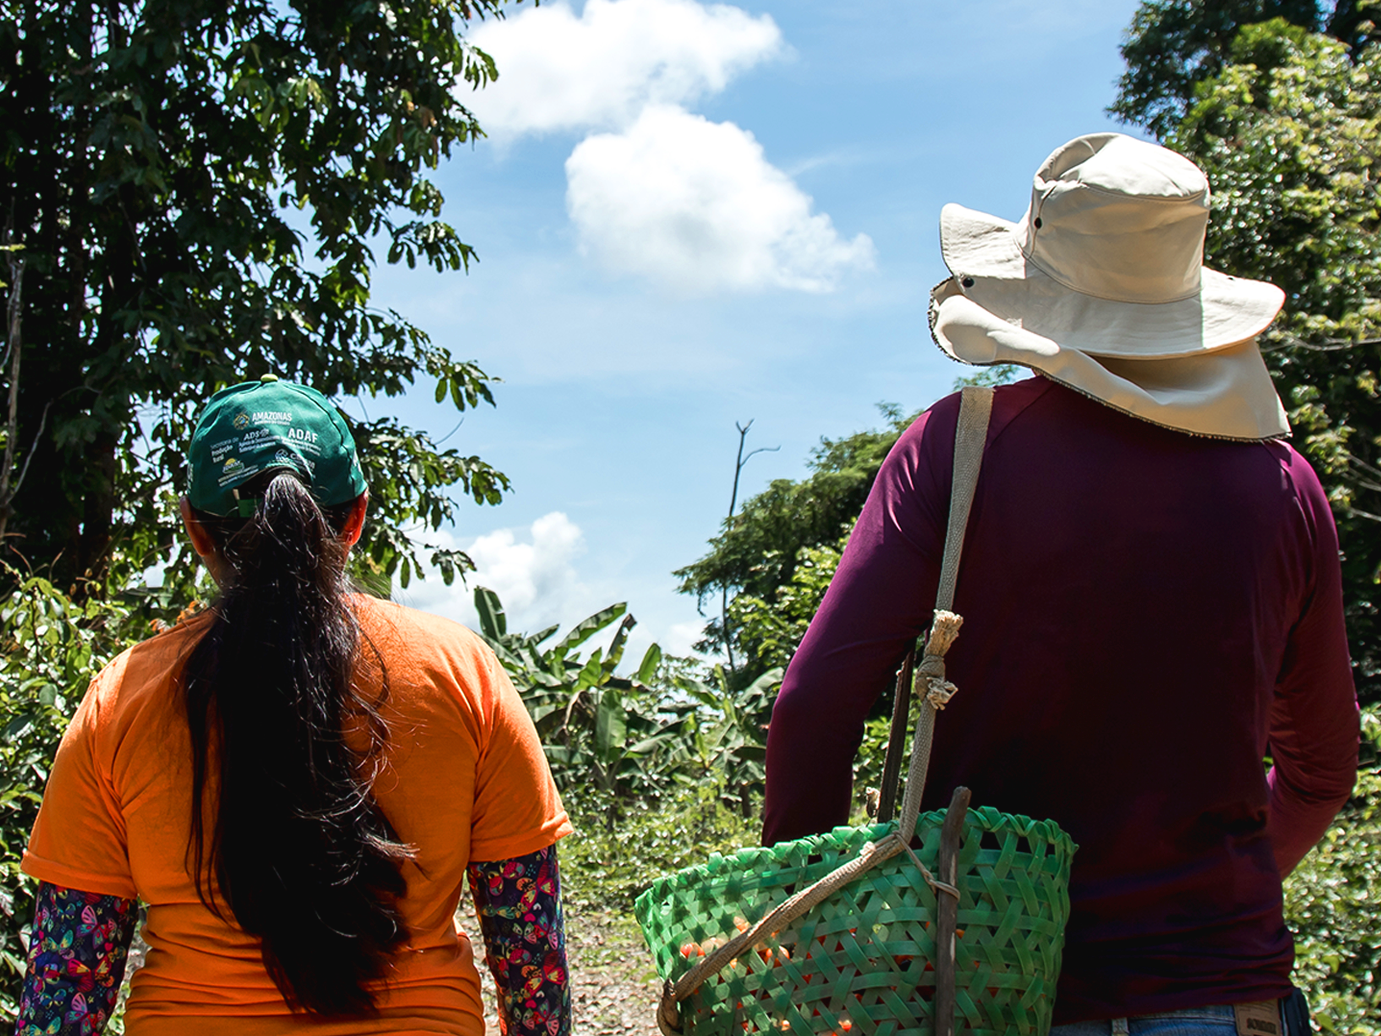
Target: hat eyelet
x=1038, y=223
x=966, y=282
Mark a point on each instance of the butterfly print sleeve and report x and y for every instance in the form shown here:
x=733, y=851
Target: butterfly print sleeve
x=77, y=950
x=518, y=902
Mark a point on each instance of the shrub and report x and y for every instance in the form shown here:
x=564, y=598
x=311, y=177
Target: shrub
x=605, y=870
x=1331, y=901
x=51, y=648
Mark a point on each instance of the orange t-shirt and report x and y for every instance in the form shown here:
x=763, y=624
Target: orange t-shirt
x=464, y=778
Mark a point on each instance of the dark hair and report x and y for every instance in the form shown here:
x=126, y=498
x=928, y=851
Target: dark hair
x=299, y=849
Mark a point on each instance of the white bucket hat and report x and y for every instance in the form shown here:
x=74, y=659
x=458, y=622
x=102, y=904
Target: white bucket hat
x=1102, y=287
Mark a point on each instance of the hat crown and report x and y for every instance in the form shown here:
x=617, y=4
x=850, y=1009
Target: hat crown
x=1119, y=219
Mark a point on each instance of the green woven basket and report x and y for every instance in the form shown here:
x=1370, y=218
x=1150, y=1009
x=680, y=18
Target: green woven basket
x=861, y=962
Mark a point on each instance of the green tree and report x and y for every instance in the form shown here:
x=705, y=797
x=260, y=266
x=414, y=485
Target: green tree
x=1286, y=133
x=758, y=550
x=1173, y=45
x=770, y=629
x=625, y=739
x=198, y=191
x=776, y=557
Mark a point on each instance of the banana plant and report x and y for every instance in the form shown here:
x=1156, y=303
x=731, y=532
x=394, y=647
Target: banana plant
x=727, y=732
x=596, y=727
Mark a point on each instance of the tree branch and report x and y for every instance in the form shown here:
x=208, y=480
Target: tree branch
x=1325, y=345
x=33, y=446
x=733, y=502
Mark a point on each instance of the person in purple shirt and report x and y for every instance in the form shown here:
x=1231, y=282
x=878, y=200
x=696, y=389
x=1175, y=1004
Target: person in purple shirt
x=1150, y=589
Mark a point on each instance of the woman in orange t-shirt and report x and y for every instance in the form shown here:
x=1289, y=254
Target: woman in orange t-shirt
x=297, y=782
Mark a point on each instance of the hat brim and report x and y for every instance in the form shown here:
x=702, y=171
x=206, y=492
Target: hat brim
x=1225, y=394
x=984, y=254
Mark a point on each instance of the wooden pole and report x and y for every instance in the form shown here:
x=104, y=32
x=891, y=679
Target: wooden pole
x=947, y=911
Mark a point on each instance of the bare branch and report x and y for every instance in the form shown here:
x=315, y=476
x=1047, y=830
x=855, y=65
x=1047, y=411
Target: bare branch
x=42, y=423
x=1357, y=462
x=733, y=502
x=1323, y=345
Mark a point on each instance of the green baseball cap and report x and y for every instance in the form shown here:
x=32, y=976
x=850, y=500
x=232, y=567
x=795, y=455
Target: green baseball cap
x=257, y=426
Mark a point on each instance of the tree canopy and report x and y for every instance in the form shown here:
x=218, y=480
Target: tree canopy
x=193, y=194
x=1286, y=132
x=1173, y=45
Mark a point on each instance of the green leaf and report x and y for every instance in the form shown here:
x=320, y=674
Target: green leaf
x=587, y=628
x=651, y=744
x=591, y=674
x=617, y=644
x=611, y=725
x=542, y=635
x=647, y=670
x=18, y=726
x=493, y=621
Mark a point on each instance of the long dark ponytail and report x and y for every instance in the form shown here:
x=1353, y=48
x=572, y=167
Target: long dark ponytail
x=299, y=849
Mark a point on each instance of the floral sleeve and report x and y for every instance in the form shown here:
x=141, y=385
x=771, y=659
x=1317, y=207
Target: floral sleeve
x=518, y=902
x=77, y=950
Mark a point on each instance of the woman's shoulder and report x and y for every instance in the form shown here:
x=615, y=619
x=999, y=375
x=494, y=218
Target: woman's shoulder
x=136, y=685
x=417, y=631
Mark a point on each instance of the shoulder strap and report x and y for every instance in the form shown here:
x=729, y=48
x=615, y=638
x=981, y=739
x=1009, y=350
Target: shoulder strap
x=975, y=409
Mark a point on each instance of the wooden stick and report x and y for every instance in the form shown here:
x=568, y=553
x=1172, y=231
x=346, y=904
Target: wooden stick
x=896, y=742
x=947, y=912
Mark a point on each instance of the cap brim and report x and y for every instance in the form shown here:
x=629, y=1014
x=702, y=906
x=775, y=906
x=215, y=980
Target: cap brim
x=984, y=254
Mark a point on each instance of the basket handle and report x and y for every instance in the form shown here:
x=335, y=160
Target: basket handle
x=974, y=410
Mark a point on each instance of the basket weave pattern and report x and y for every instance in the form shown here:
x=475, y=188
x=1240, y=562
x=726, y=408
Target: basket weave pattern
x=860, y=963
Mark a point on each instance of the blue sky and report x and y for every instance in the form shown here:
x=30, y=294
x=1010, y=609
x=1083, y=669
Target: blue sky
x=689, y=215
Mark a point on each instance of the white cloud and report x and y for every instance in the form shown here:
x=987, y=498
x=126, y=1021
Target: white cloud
x=681, y=637
x=560, y=71
x=696, y=206
x=536, y=579
x=531, y=569
x=658, y=192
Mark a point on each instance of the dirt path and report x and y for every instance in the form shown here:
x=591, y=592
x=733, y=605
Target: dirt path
x=615, y=989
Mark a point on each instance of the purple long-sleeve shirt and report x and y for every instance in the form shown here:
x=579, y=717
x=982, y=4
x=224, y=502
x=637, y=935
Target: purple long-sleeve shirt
x=1146, y=615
